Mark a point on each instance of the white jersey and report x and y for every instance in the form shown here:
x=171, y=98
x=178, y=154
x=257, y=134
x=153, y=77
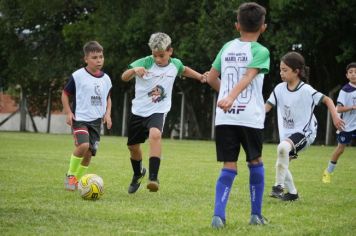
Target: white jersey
x=347, y=97
x=153, y=92
x=295, y=109
x=91, y=94
x=233, y=60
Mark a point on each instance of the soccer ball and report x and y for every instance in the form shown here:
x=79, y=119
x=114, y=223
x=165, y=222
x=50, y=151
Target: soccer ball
x=91, y=187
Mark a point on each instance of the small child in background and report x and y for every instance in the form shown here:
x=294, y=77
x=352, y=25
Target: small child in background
x=346, y=105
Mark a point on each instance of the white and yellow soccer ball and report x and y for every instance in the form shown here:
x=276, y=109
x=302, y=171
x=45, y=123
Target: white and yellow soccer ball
x=91, y=187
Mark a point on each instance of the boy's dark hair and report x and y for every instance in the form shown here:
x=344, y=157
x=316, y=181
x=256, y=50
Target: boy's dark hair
x=251, y=16
x=92, y=46
x=296, y=61
x=351, y=65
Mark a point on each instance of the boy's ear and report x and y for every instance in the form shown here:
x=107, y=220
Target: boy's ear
x=263, y=28
x=170, y=50
x=237, y=26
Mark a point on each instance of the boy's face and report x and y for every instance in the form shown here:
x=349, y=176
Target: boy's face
x=94, y=61
x=351, y=75
x=162, y=57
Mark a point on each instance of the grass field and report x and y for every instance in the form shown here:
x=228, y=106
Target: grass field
x=33, y=201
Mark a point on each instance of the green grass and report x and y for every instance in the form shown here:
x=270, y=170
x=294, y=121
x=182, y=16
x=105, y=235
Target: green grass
x=33, y=200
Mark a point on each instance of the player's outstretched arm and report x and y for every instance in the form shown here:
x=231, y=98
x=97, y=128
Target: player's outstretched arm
x=338, y=122
x=189, y=72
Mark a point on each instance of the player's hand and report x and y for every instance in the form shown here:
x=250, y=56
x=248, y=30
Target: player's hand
x=225, y=103
x=339, y=123
x=69, y=119
x=140, y=71
x=107, y=121
x=204, y=77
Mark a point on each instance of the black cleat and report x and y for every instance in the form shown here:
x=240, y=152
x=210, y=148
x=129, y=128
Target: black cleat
x=136, y=181
x=277, y=191
x=290, y=197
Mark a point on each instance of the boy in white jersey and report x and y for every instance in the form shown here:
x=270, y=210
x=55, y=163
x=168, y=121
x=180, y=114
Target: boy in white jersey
x=154, y=76
x=295, y=102
x=90, y=88
x=346, y=105
x=241, y=64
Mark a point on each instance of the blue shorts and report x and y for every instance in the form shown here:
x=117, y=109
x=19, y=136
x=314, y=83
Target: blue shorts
x=346, y=137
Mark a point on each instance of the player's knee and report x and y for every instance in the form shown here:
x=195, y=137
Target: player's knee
x=283, y=148
x=155, y=134
x=133, y=148
x=83, y=147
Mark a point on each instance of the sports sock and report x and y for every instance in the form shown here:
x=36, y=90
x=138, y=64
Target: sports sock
x=331, y=166
x=81, y=171
x=136, y=166
x=222, y=191
x=154, y=164
x=290, y=183
x=73, y=164
x=257, y=184
x=282, y=162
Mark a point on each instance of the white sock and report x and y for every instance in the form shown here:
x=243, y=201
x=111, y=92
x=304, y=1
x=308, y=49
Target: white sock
x=282, y=164
x=331, y=167
x=290, y=183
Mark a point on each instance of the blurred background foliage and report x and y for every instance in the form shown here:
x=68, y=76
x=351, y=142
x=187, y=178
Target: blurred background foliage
x=41, y=45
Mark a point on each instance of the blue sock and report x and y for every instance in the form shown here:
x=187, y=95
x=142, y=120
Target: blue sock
x=257, y=184
x=223, y=188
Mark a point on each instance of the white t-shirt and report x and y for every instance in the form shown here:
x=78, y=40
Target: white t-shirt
x=159, y=79
x=347, y=97
x=91, y=93
x=295, y=109
x=232, y=61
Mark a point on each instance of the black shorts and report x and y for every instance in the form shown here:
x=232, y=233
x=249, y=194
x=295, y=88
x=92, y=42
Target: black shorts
x=138, y=127
x=299, y=142
x=87, y=132
x=229, y=138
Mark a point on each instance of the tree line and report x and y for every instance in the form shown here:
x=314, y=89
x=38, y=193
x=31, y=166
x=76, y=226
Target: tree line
x=41, y=45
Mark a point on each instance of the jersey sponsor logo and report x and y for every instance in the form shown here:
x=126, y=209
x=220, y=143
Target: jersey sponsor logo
x=157, y=94
x=236, y=57
x=96, y=100
x=236, y=109
x=288, y=121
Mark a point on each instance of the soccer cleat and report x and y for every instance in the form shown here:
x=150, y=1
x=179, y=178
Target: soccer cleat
x=70, y=183
x=277, y=191
x=217, y=222
x=290, y=197
x=326, y=177
x=136, y=181
x=258, y=220
x=153, y=185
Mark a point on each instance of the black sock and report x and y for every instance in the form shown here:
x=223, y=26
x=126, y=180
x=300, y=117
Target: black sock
x=154, y=167
x=136, y=166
